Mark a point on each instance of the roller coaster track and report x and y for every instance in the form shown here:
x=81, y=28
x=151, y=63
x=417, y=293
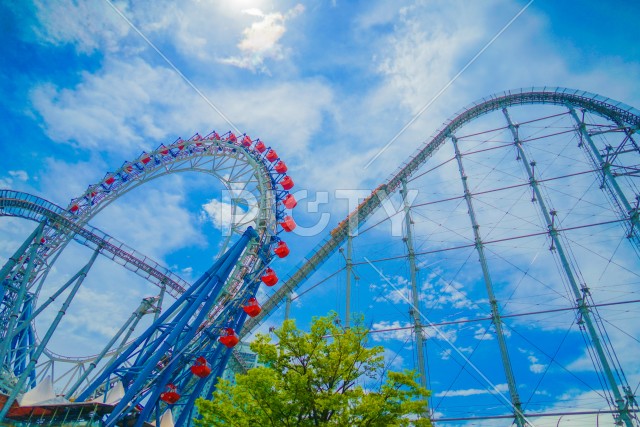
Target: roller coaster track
x=618, y=112
x=24, y=205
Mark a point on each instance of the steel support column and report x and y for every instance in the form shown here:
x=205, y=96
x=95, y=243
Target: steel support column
x=495, y=311
x=580, y=292
x=609, y=182
x=349, y=268
x=415, y=300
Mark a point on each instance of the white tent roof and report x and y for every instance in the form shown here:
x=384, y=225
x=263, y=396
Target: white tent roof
x=43, y=392
x=113, y=396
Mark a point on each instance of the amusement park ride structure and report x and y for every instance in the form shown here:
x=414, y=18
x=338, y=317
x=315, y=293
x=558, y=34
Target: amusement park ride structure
x=197, y=330
x=185, y=350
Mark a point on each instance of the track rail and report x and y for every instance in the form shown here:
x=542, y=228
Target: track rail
x=608, y=108
x=24, y=205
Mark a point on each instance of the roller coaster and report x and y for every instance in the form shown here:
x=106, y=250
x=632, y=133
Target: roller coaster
x=157, y=375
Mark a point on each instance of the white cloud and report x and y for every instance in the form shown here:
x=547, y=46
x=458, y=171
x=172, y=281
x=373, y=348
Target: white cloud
x=534, y=363
x=395, y=291
x=393, y=360
x=446, y=354
x=481, y=333
x=89, y=26
x=535, y=367
x=432, y=41
x=399, y=331
x=421, y=58
x=192, y=30
x=60, y=180
x=16, y=180
x=111, y=110
x=14, y=231
x=20, y=174
x=589, y=401
x=6, y=182
x=438, y=293
x=502, y=388
x=127, y=106
x=284, y=114
x=403, y=331
x=261, y=40
x=153, y=221
x=223, y=217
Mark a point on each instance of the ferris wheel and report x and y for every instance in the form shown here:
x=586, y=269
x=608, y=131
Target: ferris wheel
x=177, y=355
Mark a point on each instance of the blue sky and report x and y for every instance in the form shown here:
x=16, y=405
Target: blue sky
x=328, y=84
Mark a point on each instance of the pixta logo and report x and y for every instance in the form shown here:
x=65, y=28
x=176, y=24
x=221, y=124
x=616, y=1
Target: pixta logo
x=238, y=209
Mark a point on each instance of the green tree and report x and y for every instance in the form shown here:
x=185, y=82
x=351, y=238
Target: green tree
x=316, y=379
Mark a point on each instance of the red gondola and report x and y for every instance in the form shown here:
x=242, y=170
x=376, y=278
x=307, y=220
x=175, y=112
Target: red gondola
x=230, y=339
x=170, y=396
x=281, y=167
x=246, y=141
x=145, y=158
x=252, y=308
x=232, y=137
x=128, y=168
x=201, y=368
x=164, y=150
x=287, y=182
x=269, y=277
x=110, y=180
x=288, y=224
x=74, y=208
x=260, y=147
x=215, y=136
x=282, y=250
x=289, y=202
x=272, y=156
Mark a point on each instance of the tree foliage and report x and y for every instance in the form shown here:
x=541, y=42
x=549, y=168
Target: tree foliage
x=317, y=378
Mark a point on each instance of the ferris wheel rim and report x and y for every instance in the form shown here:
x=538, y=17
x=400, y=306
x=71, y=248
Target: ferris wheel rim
x=195, y=148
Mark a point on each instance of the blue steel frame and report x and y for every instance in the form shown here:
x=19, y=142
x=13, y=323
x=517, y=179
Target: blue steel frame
x=58, y=226
x=149, y=364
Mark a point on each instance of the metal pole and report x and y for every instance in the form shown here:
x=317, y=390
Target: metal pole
x=22, y=291
x=495, y=311
x=580, y=293
x=287, y=307
x=347, y=321
x=609, y=180
x=8, y=266
x=605, y=167
x=415, y=310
